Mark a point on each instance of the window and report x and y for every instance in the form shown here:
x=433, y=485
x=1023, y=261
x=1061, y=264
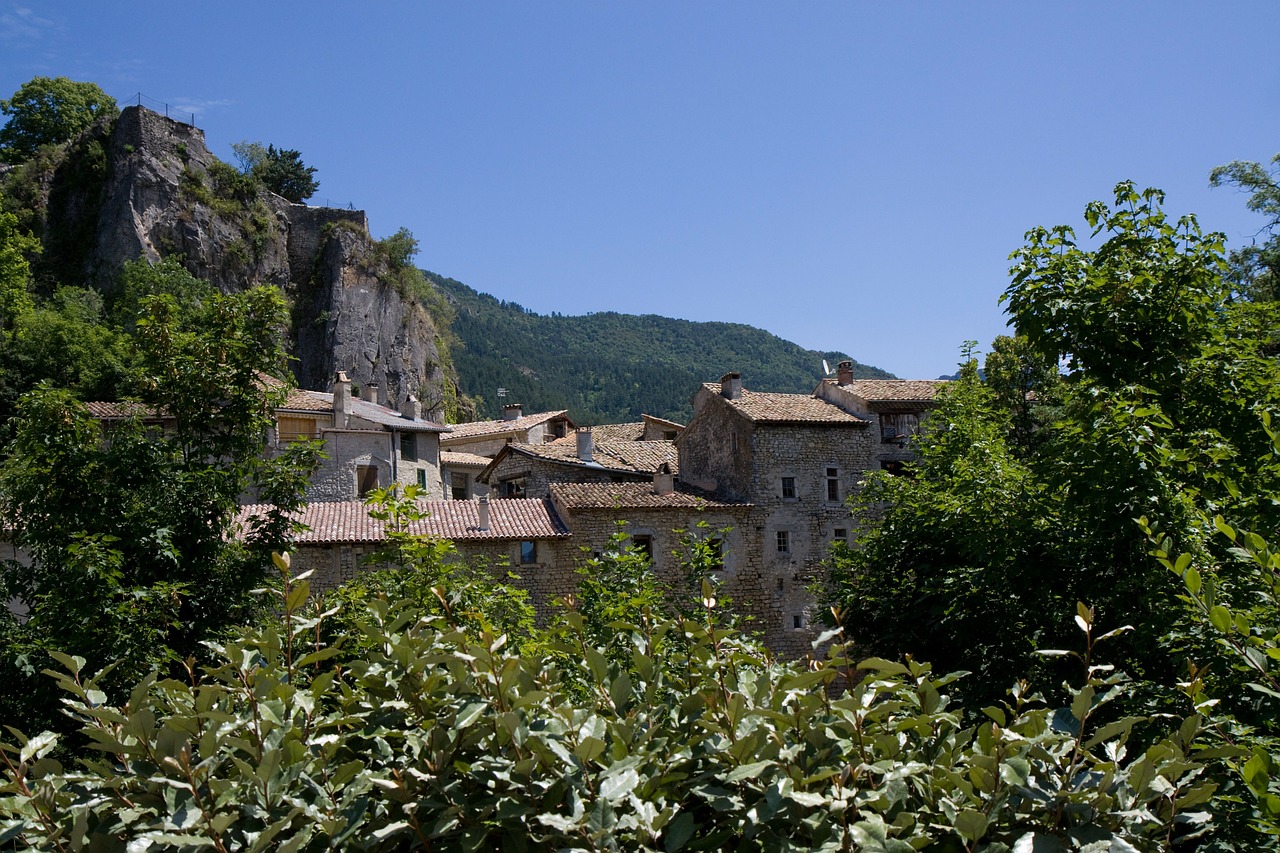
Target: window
x=840, y=534
x=409, y=446
x=788, y=488
x=366, y=479
x=290, y=428
x=458, y=486
x=733, y=441
x=513, y=488
x=643, y=544
x=528, y=552
x=716, y=545
x=668, y=435
x=422, y=479
x=784, y=541
x=898, y=426
x=797, y=621
x=833, y=485
x=894, y=467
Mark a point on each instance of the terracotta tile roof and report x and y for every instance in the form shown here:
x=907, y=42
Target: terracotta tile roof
x=632, y=496
x=896, y=390
x=458, y=459
x=349, y=521
x=633, y=457
x=764, y=407
x=607, y=432
x=307, y=401
x=477, y=429
x=108, y=411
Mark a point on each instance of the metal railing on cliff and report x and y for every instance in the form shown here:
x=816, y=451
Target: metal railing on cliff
x=169, y=110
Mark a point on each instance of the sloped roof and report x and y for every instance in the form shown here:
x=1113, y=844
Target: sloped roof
x=112, y=411
x=349, y=521
x=321, y=402
x=607, y=432
x=458, y=459
x=896, y=390
x=764, y=407
x=478, y=429
x=581, y=496
x=631, y=457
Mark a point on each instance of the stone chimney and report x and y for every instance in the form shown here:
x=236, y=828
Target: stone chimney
x=844, y=373
x=586, y=447
x=511, y=411
x=370, y=392
x=731, y=386
x=482, y=509
x=341, y=399
x=663, y=480
x=411, y=408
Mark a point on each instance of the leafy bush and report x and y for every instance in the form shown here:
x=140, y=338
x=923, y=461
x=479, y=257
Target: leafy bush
x=437, y=736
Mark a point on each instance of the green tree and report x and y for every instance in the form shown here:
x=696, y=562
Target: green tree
x=280, y=170
x=134, y=559
x=49, y=111
x=1156, y=412
x=15, y=272
x=1256, y=268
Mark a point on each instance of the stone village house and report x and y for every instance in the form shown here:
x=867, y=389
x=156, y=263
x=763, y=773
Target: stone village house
x=766, y=475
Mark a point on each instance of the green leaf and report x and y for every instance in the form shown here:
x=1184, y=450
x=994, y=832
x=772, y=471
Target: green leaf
x=971, y=824
x=1220, y=618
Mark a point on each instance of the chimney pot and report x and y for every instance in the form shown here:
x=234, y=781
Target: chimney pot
x=411, y=408
x=511, y=411
x=731, y=386
x=482, y=508
x=370, y=392
x=663, y=480
x=586, y=447
x=341, y=399
x=844, y=373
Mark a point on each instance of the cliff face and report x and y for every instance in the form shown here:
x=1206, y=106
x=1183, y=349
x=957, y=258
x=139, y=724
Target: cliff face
x=147, y=186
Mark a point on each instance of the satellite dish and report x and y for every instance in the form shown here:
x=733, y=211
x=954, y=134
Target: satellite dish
x=826, y=368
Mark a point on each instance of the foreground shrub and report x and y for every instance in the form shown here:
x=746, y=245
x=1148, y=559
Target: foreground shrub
x=439, y=737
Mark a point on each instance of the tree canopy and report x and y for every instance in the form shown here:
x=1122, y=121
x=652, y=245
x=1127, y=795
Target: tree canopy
x=1256, y=267
x=49, y=110
x=281, y=170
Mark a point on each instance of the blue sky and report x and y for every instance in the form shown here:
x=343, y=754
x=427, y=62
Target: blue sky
x=846, y=175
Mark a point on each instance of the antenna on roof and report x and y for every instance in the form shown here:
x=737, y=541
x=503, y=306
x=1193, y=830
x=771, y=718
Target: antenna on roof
x=502, y=392
x=826, y=368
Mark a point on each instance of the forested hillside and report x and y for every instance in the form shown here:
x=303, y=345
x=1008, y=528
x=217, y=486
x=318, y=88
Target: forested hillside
x=611, y=367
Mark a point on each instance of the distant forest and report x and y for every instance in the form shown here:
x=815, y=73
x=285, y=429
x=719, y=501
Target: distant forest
x=610, y=367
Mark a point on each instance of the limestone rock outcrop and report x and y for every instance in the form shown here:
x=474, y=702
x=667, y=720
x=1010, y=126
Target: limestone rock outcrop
x=147, y=186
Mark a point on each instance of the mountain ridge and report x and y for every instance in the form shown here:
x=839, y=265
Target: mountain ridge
x=612, y=367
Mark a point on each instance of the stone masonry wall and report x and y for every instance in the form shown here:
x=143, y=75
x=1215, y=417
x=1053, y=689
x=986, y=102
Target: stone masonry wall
x=716, y=449
x=798, y=531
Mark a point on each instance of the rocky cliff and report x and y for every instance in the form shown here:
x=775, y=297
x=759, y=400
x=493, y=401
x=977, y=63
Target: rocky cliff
x=144, y=185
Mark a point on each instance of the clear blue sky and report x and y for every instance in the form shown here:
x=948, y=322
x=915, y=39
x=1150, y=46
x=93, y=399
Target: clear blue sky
x=846, y=175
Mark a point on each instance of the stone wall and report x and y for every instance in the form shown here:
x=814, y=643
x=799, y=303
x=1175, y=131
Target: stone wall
x=716, y=448
x=308, y=228
x=808, y=522
x=335, y=480
x=552, y=577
